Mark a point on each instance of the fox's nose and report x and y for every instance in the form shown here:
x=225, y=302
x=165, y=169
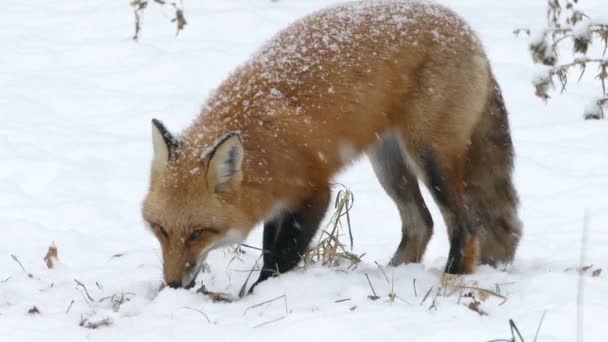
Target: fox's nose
x=175, y=284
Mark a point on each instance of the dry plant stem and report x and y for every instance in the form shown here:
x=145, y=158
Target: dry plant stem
x=274, y=320
x=329, y=249
x=243, y=290
x=138, y=8
x=514, y=330
x=426, y=295
x=85, y=290
x=381, y=270
x=371, y=286
x=199, y=311
x=251, y=247
x=19, y=262
x=284, y=297
x=539, y=325
x=69, y=307
x=581, y=279
x=565, y=22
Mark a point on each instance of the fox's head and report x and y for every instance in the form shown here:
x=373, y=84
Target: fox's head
x=193, y=203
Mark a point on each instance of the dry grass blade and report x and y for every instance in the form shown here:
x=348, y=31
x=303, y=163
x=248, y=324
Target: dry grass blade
x=79, y=284
x=69, y=306
x=19, y=262
x=514, y=330
x=381, y=270
x=426, y=295
x=539, y=325
x=581, y=281
x=329, y=249
x=284, y=297
x=199, y=311
x=138, y=8
x=342, y=300
x=251, y=247
x=269, y=322
x=374, y=296
x=243, y=290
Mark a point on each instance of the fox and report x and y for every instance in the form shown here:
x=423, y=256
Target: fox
x=405, y=82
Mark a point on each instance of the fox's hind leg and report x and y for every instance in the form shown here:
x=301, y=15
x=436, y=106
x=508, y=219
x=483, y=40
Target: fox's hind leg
x=443, y=171
x=287, y=236
x=401, y=185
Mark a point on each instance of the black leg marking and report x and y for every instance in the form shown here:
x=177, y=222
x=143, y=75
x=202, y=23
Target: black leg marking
x=462, y=234
x=286, y=237
x=436, y=179
x=455, y=263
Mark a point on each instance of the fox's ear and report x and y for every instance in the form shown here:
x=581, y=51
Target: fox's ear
x=225, y=161
x=164, y=143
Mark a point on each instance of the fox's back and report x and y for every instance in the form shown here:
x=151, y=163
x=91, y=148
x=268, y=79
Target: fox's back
x=336, y=80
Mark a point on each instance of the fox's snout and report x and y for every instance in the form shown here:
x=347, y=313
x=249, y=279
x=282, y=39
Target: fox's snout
x=178, y=284
x=180, y=274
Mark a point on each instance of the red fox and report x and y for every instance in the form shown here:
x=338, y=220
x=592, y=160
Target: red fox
x=406, y=83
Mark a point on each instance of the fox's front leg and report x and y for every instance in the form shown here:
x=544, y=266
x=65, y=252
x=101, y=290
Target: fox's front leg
x=287, y=236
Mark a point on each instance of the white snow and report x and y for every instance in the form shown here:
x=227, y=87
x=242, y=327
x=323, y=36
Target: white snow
x=76, y=99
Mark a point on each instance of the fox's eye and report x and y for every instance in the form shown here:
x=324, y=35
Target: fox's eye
x=196, y=234
x=161, y=230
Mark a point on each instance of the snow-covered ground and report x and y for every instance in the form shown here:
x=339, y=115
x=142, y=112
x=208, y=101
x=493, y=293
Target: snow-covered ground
x=76, y=99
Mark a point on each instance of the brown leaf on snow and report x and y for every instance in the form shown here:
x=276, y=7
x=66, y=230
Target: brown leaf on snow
x=596, y=273
x=51, y=256
x=33, y=311
x=475, y=307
